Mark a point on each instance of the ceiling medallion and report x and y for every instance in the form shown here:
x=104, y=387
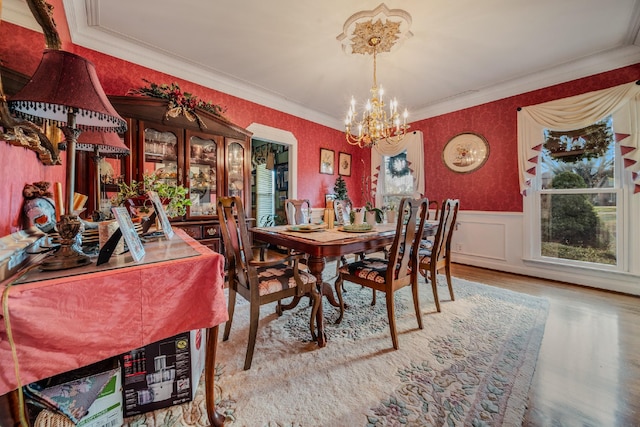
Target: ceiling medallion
x=392, y=25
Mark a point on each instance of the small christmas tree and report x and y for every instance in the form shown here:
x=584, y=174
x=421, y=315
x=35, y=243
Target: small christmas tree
x=340, y=189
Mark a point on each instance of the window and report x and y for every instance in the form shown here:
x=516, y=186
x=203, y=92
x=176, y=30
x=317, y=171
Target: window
x=579, y=193
x=398, y=181
x=579, y=168
x=397, y=170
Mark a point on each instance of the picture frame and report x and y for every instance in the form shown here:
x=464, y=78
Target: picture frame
x=327, y=161
x=344, y=164
x=161, y=214
x=465, y=152
x=129, y=232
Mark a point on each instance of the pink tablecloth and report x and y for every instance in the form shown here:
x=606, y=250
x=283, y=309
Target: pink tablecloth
x=63, y=324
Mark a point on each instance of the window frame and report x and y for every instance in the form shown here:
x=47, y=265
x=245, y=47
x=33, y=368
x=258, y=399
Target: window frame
x=626, y=205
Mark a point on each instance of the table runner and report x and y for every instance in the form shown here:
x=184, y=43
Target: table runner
x=329, y=235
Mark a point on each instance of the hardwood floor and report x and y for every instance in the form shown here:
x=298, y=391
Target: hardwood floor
x=588, y=370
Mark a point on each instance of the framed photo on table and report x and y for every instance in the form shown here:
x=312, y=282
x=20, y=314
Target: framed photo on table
x=327, y=161
x=465, y=152
x=344, y=164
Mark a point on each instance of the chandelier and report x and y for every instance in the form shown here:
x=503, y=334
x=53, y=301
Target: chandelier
x=377, y=122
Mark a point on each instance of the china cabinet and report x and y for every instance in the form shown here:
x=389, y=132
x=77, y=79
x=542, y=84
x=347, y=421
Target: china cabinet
x=209, y=156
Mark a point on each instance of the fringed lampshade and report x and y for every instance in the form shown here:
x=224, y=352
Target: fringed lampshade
x=106, y=144
x=65, y=91
x=67, y=83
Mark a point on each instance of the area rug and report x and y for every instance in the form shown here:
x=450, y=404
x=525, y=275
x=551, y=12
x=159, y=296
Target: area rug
x=471, y=365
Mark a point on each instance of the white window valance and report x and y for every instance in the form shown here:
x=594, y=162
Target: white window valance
x=414, y=144
x=577, y=112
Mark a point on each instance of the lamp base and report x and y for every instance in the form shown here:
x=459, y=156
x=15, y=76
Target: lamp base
x=67, y=256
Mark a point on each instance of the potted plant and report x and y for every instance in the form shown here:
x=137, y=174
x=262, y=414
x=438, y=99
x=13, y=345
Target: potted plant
x=174, y=197
x=390, y=212
x=373, y=214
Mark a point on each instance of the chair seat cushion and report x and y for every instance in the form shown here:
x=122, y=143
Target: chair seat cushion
x=373, y=269
x=274, y=279
x=424, y=256
x=426, y=244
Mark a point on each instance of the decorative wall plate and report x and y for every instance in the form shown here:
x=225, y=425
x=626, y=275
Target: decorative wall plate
x=465, y=152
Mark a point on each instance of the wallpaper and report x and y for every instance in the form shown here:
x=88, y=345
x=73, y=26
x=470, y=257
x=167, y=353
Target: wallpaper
x=493, y=187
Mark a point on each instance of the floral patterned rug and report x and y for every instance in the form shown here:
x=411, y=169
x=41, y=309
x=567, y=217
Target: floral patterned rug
x=471, y=365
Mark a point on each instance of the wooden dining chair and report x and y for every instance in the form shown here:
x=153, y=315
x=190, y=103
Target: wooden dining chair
x=259, y=282
x=433, y=204
x=437, y=255
x=396, y=272
x=297, y=211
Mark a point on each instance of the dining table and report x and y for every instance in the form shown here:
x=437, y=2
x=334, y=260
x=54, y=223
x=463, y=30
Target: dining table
x=321, y=243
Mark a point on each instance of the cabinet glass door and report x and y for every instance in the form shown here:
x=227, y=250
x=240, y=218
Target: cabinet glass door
x=203, y=177
x=235, y=180
x=161, y=155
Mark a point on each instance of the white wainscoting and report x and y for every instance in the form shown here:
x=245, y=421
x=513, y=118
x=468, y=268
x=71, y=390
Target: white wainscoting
x=495, y=240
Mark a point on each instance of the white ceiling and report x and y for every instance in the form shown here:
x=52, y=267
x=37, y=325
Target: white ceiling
x=285, y=54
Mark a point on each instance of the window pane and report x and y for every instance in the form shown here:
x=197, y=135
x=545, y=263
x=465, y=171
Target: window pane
x=398, y=179
x=579, y=227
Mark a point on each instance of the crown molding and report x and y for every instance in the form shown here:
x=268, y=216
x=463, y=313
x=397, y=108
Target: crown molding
x=134, y=51
x=595, y=64
x=17, y=12
x=83, y=34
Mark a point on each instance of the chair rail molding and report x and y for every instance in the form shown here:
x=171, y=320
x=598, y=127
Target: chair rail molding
x=495, y=240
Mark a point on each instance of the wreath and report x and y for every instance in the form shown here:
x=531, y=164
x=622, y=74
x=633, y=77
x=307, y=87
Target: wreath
x=587, y=143
x=399, y=166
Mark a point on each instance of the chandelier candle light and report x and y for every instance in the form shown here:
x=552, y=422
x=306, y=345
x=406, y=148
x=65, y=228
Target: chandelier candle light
x=377, y=123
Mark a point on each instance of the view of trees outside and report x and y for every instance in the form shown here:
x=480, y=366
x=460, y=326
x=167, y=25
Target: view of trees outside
x=578, y=200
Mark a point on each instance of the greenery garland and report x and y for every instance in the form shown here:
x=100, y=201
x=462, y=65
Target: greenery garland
x=178, y=100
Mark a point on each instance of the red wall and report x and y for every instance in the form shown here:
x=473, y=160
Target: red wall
x=118, y=77
x=494, y=187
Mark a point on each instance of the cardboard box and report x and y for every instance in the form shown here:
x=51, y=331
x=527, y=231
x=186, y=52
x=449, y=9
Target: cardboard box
x=106, y=410
x=164, y=373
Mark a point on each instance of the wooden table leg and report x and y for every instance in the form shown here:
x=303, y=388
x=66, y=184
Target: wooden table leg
x=316, y=267
x=216, y=419
x=15, y=408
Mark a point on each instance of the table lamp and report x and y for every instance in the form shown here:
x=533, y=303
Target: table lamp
x=65, y=91
x=101, y=144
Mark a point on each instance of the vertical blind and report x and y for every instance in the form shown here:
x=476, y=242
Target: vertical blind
x=264, y=194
